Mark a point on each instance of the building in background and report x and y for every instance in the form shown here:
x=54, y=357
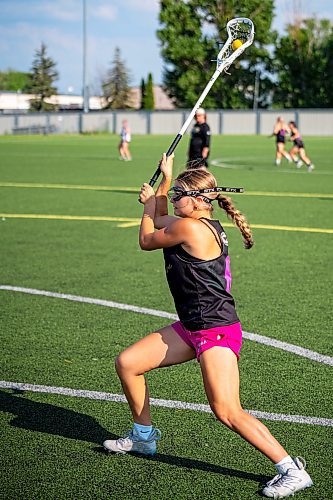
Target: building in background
x=11, y=102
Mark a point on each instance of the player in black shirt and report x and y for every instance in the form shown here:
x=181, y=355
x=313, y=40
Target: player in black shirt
x=299, y=148
x=200, y=141
x=280, y=131
x=197, y=266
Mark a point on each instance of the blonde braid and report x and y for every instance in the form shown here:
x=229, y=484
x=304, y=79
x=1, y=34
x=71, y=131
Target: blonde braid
x=238, y=218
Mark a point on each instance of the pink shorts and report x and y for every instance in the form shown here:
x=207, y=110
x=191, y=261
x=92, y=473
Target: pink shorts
x=201, y=340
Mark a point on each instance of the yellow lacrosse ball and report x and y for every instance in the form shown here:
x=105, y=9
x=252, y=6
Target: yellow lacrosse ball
x=236, y=44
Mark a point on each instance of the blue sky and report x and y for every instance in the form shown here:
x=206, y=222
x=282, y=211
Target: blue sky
x=128, y=24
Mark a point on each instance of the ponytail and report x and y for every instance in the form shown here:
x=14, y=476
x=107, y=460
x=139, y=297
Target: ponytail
x=238, y=218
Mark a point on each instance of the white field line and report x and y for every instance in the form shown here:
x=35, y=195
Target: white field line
x=166, y=403
x=261, y=339
x=226, y=163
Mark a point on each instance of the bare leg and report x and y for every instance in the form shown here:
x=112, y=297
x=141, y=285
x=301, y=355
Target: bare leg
x=303, y=156
x=127, y=151
x=278, y=152
x=293, y=152
x=121, y=150
x=159, y=349
x=221, y=380
x=286, y=154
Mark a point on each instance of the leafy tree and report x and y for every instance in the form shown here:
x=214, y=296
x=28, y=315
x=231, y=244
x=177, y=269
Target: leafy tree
x=189, y=33
x=143, y=93
x=327, y=76
x=304, y=65
x=148, y=101
x=43, y=74
x=116, y=88
x=13, y=81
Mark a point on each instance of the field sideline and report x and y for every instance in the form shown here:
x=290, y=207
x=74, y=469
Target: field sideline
x=68, y=222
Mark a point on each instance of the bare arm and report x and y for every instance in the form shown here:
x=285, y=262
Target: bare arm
x=205, y=152
x=161, y=218
x=147, y=197
x=178, y=231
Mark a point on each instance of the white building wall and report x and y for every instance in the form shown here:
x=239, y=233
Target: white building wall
x=65, y=123
x=97, y=122
x=268, y=119
x=166, y=122
x=310, y=122
x=321, y=122
x=239, y=122
x=7, y=123
x=137, y=121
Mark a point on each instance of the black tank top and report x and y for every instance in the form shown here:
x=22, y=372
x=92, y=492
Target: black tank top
x=281, y=135
x=201, y=288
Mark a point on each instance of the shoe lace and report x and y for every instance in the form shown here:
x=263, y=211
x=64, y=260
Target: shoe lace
x=128, y=436
x=287, y=481
x=155, y=435
x=286, y=477
x=274, y=480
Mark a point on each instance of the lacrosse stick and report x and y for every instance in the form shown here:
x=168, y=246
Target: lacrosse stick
x=240, y=36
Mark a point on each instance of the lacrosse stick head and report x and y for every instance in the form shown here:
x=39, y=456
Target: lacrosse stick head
x=240, y=36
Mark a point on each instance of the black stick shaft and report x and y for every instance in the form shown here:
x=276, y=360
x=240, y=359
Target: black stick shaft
x=168, y=153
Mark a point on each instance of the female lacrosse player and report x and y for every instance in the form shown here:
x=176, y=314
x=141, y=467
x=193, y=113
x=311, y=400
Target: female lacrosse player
x=125, y=139
x=298, y=147
x=280, y=130
x=197, y=266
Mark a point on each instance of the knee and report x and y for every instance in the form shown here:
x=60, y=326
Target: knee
x=123, y=363
x=230, y=416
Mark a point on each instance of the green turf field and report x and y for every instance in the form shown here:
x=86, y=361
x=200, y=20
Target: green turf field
x=50, y=442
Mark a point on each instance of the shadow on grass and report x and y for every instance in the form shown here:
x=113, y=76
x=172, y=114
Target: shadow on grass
x=189, y=463
x=50, y=419
x=44, y=417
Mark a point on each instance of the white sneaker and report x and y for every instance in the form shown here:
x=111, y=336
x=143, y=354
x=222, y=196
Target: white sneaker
x=299, y=164
x=286, y=484
x=131, y=442
x=310, y=167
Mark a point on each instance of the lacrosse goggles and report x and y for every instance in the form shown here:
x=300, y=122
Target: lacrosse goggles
x=175, y=193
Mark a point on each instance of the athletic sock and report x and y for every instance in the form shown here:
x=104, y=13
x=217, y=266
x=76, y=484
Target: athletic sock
x=143, y=430
x=277, y=162
x=288, y=158
x=285, y=464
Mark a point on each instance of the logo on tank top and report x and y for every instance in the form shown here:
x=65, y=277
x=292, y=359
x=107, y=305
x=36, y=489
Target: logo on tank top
x=224, y=239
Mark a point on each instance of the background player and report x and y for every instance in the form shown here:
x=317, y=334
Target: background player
x=298, y=147
x=280, y=130
x=200, y=141
x=125, y=139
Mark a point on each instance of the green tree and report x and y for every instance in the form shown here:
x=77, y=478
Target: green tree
x=189, y=33
x=304, y=65
x=149, y=101
x=13, y=81
x=143, y=93
x=116, y=88
x=43, y=74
